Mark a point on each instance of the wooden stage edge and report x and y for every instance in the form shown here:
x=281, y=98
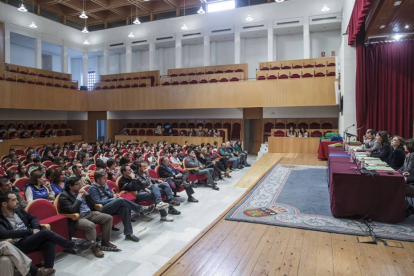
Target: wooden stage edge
x=266, y=161
x=241, y=248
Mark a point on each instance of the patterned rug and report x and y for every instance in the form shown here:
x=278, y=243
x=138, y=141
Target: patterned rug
x=298, y=196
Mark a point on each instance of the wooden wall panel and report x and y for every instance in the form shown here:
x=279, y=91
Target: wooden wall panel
x=91, y=131
x=253, y=113
x=293, y=145
x=2, y=45
x=246, y=94
x=170, y=139
x=24, y=143
x=79, y=127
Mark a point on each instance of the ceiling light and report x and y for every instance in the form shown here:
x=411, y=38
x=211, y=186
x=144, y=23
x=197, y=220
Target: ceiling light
x=146, y=0
x=131, y=35
x=22, y=8
x=406, y=26
x=83, y=15
x=397, y=3
x=325, y=8
x=397, y=36
x=136, y=21
x=86, y=42
x=33, y=25
x=201, y=11
x=184, y=27
x=382, y=26
x=85, y=30
x=249, y=18
x=280, y=1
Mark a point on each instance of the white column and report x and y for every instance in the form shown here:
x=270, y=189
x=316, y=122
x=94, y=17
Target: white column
x=85, y=69
x=237, y=47
x=128, y=57
x=64, y=57
x=186, y=55
x=274, y=47
x=270, y=42
x=206, y=50
x=7, y=44
x=151, y=56
x=161, y=60
x=106, y=61
x=178, y=53
x=214, y=53
x=38, y=51
x=306, y=38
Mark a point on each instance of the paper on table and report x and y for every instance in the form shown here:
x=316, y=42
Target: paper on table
x=379, y=168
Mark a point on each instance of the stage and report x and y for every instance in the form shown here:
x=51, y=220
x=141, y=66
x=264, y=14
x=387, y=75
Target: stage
x=241, y=248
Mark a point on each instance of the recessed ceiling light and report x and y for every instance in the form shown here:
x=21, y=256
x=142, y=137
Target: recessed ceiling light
x=86, y=42
x=406, y=26
x=131, y=35
x=325, y=8
x=382, y=26
x=280, y=1
x=249, y=18
x=184, y=27
x=397, y=3
x=397, y=36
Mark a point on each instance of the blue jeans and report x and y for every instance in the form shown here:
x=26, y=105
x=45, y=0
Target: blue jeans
x=157, y=190
x=235, y=161
x=123, y=208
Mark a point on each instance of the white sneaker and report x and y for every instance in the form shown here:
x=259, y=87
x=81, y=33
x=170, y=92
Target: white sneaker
x=162, y=206
x=167, y=219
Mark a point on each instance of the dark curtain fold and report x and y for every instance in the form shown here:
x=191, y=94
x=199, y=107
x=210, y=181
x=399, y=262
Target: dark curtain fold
x=385, y=87
x=357, y=19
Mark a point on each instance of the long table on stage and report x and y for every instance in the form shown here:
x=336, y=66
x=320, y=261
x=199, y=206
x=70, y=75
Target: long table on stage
x=381, y=198
x=323, y=150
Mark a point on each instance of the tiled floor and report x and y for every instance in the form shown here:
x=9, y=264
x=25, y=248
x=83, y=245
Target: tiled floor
x=160, y=241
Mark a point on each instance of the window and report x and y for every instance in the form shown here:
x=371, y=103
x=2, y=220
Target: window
x=221, y=6
x=91, y=80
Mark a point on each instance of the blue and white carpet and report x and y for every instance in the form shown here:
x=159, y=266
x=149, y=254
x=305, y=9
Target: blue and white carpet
x=298, y=196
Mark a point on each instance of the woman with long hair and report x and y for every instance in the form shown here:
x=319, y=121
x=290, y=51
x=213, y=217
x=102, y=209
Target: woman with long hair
x=409, y=159
x=29, y=158
x=39, y=188
x=57, y=180
x=384, y=152
x=397, y=157
x=21, y=171
x=291, y=132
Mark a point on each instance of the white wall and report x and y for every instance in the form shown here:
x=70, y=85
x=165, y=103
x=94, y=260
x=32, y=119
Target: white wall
x=51, y=62
x=301, y=112
x=224, y=53
x=140, y=61
x=24, y=114
x=76, y=69
x=23, y=56
x=289, y=46
x=214, y=113
x=169, y=59
x=325, y=42
x=192, y=55
x=253, y=51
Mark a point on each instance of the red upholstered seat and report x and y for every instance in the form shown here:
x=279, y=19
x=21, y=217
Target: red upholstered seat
x=261, y=78
x=166, y=83
x=200, y=73
x=193, y=177
x=295, y=76
x=326, y=125
x=286, y=67
x=234, y=79
x=213, y=80
x=307, y=75
x=330, y=74
x=194, y=82
x=264, y=68
x=239, y=70
x=175, y=83
x=134, y=132
x=184, y=82
x=315, y=125
x=275, y=68
x=21, y=183
x=283, y=76
x=309, y=66
x=316, y=133
x=141, y=132
x=272, y=77
x=279, y=133
x=229, y=71
x=143, y=85
x=47, y=164
x=203, y=81
x=319, y=74
x=224, y=80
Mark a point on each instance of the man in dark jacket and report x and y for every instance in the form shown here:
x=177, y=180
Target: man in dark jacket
x=198, y=169
x=168, y=172
x=148, y=188
x=7, y=186
x=76, y=200
x=114, y=204
x=24, y=229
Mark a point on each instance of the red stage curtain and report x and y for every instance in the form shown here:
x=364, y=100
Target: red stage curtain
x=359, y=12
x=385, y=87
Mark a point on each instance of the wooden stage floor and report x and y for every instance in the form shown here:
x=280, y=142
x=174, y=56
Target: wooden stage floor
x=240, y=248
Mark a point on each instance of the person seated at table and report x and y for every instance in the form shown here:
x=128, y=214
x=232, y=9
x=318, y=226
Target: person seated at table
x=200, y=132
x=397, y=157
x=303, y=132
x=384, y=151
x=192, y=132
x=370, y=142
x=409, y=159
x=291, y=132
x=158, y=130
x=217, y=133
